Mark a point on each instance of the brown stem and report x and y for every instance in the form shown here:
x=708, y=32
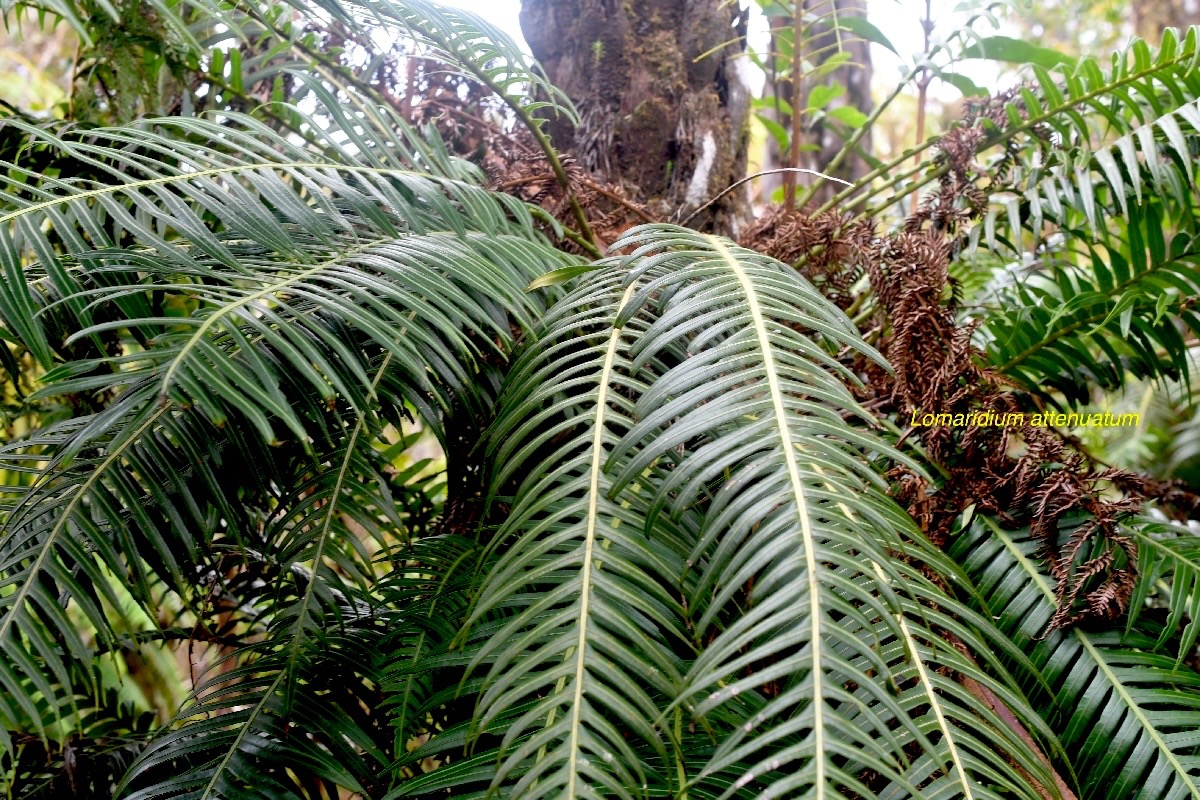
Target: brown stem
x=922, y=95
x=595, y=187
x=922, y=98
x=522, y=181
x=616, y=198
x=789, y=178
x=1001, y=710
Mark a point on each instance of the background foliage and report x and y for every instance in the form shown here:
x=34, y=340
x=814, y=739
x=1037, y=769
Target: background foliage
x=361, y=440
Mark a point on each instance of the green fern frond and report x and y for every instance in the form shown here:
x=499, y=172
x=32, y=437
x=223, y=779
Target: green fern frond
x=797, y=540
x=574, y=566
x=1126, y=715
x=719, y=441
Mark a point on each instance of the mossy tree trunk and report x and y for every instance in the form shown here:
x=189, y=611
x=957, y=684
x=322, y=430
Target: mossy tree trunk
x=662, y=92
x=136, y=67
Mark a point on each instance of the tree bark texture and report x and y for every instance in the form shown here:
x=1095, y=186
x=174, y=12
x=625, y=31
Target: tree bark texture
x=662, y=93
x=1151, y=17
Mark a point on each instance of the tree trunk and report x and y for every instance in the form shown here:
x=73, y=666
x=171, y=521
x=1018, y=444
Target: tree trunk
x=662, y=94
x=1151, y=17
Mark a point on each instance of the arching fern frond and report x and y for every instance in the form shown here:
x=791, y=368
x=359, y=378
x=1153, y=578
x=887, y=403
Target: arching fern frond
x=237, y=728
x=588, y=652
x=721, y=451
x=247, y=734
x=1083, y=104
x=1168, y=565
x=1110, y=306
x=1125, y=713
x=246, y=283
x=797, y=542
x=138, y=507
x=1100, y=214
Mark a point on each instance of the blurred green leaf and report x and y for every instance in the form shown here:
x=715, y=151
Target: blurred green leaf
x=1016, y=51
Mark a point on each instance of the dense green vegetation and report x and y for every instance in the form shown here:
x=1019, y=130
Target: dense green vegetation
x=332, y=468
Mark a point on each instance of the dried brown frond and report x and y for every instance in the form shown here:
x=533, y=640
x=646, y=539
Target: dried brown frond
x=514, y=164
x=1019, y=474
x=829, y=249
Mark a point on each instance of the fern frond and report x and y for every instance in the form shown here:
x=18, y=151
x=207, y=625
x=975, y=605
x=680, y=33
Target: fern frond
x=574, y=566
x=1168, y=563
x=1125, y=714
x=721, y=444
x=238, y=726
x=459, y=39
x=262, y=286
x=797, y=540
x=1108, y=230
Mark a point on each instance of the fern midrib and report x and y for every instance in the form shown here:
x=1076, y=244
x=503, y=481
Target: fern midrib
x=1141, y=535
x=241, y=734
x=420, y=646
x=19, y=597
x=923, y=676
x=331, y=506
x=589, y=543
x=934, y=702
x=793, y=469
x=318, y=553
x=1101, y=663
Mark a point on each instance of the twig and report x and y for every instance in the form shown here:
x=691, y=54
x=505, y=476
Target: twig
x=922, y=93
x=789, y=182
x=616, y=198
x=738, y=183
